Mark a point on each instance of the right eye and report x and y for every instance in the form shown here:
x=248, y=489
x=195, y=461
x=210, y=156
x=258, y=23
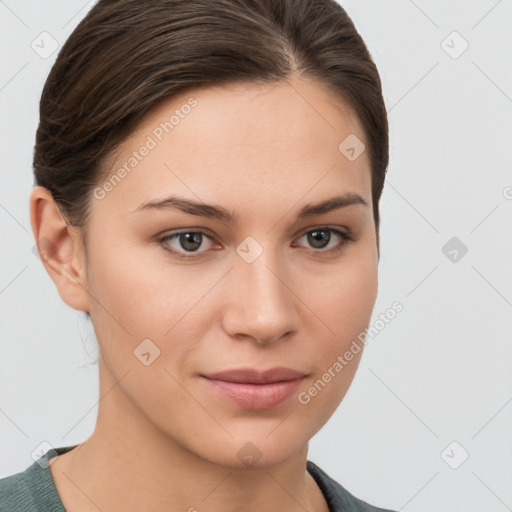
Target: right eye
x=186, y=243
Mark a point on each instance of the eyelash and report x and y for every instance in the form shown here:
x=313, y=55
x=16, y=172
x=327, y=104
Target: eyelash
x=346, y=238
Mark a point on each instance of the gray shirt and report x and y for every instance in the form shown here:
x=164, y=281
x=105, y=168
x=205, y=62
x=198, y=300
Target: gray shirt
x=33, y=490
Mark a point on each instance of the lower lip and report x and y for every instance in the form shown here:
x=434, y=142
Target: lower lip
x=256, y=396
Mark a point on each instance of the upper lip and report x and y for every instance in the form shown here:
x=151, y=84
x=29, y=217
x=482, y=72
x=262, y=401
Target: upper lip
x=252, y=376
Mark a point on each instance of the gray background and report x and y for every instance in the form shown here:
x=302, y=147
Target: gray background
x=440, y=372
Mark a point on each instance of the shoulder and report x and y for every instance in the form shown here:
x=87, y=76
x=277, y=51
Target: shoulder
x=32, y=490
x=337, y=497
x=15, y=492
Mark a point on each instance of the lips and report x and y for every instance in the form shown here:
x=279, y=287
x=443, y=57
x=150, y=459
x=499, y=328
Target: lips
x=255, y=389
x=251, y=376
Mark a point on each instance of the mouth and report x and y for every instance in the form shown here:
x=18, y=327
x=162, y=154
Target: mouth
x=254, y=389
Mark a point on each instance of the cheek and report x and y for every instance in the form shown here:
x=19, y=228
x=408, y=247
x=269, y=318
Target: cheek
x=344, y=297
x=142, y=307
x=140, y=297
x=344, y=303
x=136, y=289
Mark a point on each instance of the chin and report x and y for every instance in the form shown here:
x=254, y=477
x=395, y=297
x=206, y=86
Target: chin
x=257, y=450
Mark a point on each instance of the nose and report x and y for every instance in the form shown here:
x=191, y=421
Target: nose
x=261, y=304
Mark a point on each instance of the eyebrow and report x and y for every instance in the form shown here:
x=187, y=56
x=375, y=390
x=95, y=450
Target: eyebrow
x=218, y=212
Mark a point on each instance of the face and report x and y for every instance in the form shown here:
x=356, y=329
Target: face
x=238, y=239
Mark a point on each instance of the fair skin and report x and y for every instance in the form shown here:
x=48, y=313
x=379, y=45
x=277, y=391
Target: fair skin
x=164, y=438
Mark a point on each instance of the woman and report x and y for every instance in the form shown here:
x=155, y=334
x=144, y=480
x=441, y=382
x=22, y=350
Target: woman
x=208, y=176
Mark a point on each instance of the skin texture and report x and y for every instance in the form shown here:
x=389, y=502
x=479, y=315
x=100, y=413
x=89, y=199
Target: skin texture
x=164, y=440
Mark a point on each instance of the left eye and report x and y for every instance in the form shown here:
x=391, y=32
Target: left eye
x=320, y=238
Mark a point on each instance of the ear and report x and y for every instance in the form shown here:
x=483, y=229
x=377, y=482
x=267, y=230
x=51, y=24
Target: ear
x=60, y=248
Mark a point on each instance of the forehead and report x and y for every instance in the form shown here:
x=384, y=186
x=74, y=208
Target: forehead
x=226, y=142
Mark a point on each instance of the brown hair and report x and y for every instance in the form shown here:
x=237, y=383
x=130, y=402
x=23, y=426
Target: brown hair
x=126, y=56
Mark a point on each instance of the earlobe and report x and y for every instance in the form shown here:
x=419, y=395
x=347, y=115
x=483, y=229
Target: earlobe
x=60, y=249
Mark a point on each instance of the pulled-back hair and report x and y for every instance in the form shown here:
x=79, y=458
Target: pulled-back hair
x=126, y=56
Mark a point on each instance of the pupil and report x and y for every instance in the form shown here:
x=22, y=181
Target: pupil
x=190, y=241
x=319, y=236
